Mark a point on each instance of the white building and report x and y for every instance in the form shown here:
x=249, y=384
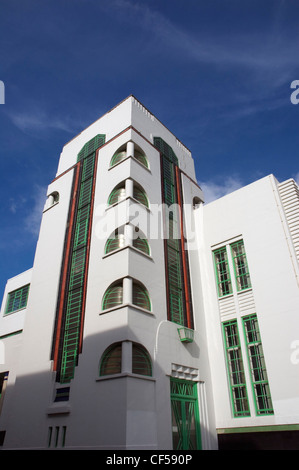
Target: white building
x=127, y=335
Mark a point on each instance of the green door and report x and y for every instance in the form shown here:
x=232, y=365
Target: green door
x=185, y=415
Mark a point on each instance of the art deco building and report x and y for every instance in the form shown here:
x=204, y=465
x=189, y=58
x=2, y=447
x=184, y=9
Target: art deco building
x=150, y=320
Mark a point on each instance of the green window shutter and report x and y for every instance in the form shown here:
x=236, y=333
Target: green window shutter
x=141, y=297
x=141, y=158
x=235, y=369
x=142, y=245
x=141, y=362
x=113, y=296
x=114, y=243
x=256, y=360
x=140, y=196
x=17, y=299
x=118, y=157
x=240, y=265
x=224, y=284
x=111, y=360
x=91, y=146
x=117, y=195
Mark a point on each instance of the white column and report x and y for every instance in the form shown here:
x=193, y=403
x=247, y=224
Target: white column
x=130, y=149
x=129, y=187
x=129, y=234
x=126, y=358
x=127, y=290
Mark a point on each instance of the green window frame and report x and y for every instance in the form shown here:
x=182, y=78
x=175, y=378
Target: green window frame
x=235, y=369
x=256, y=361
x=141, y=297
x=113, y=296
x=17, y=299
x=240, y=265
x=141, y=244
x=121, y=155
x=185, y=415
x=140, y=196
x=222, y=272
x=117, y=195
x=111, y=360
x=141, y=361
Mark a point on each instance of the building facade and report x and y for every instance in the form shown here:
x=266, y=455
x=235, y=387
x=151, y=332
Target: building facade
x=150, y=320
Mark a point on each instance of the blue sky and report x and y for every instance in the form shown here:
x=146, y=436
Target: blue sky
x=217, y=73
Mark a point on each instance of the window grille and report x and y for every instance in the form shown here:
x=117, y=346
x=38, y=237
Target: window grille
x=141, y=362
x=240, y=265
x=257, y=366
x=224, y=285
x=142, y=245
x=111, y=360
x=117, y=195
x=140, y=196
x=235, y=369
x=17, y=299
x=113, y=296
x=141, y=297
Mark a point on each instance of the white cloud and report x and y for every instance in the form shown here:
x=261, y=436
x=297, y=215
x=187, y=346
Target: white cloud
x=213, y=190
x=33, y=218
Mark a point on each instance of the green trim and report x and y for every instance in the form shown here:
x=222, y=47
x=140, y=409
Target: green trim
x=222, y=273
x=141, y=361
x=111, y=360
x=113, y=296
x=185, y=414
x=17, y=299
x=270, y=428
x=235, y=369
x=141, y=297
x=117, y=195
x=257, y=366
x=141, y=244
x=240, y=265
x=91, y=146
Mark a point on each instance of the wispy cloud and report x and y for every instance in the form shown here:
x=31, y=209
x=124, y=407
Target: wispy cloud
x=40, y=120
x=34, y=215
x=213, y=190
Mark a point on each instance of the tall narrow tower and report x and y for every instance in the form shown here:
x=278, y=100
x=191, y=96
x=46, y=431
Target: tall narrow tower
x=111, y=351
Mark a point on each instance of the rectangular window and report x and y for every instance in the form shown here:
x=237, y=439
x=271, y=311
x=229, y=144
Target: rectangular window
x=240, y=265
x=222, y=272
x=257, y=366
x=17, y=299
x=235, y=369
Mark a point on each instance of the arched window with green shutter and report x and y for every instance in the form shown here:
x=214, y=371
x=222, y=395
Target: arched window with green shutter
x=111, y=360
x=117, y=195
x=113, y=296
x=142, y=245
x=121, y=154
x=140, y=195
x=141, y=361
x=140, y=296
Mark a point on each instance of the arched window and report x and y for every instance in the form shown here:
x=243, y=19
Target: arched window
x=115, y=241
x=140, y=195
x=111, y=360
x=121, y=154
x=142, y=245
x=141, y=362
x=113, y=296
x=117, y=195
x=140, y=296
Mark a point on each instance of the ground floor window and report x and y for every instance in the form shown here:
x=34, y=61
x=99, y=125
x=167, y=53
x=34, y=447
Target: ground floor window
x=185, y=415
